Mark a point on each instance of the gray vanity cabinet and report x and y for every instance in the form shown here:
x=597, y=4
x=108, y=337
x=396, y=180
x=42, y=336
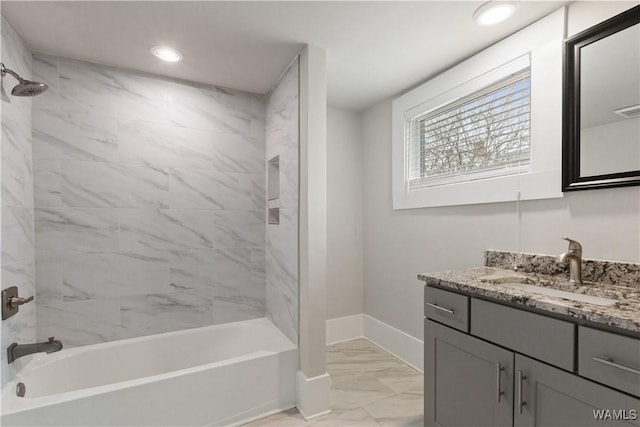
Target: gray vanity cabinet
x=486, y=374
x=473, y=382
x=547, y=396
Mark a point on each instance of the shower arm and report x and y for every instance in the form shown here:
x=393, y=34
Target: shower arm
x=4, y=71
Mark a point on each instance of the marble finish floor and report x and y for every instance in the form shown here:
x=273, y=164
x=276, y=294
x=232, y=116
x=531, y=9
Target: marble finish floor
x=370, y=387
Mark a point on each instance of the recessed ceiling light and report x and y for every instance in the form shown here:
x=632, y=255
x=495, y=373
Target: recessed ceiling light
x=166, y=53
x=492, y=12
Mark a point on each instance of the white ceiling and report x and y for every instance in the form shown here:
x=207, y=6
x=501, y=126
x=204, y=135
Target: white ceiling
x=374, y=49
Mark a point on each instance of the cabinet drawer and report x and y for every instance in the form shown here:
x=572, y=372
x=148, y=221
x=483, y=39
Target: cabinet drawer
x=610, y=359
x=544, y=338
x=447, y=307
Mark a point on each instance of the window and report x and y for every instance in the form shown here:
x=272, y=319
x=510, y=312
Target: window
x=487, y=130
x=484, y=134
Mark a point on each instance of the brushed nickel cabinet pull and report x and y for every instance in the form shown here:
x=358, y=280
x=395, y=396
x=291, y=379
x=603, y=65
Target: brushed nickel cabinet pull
x=446, y=310
x=521, y=403
x=613, y=364
x=499, y=370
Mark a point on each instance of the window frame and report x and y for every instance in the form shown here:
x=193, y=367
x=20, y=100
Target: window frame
x=538, y=47
x=472, y=174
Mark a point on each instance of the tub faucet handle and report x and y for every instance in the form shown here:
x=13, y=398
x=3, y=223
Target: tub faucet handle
x=11, y=301
x=18, y=301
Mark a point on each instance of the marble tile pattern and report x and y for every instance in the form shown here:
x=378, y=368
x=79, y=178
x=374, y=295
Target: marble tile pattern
x=17, y=266
x=369, y=388
x=486, y=282
x=149, y=203
x=281, y=254
x=593, y=270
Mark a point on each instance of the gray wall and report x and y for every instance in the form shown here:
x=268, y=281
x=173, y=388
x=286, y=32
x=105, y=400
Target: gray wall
x=282, y=138
x=344, y=214
x=400, y=244
x=150, y=207
x=16, y=199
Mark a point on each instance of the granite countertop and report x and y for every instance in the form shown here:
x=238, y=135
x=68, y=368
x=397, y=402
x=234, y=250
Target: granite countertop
x=486, y=282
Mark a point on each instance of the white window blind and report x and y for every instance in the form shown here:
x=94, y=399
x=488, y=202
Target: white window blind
x=481, y=135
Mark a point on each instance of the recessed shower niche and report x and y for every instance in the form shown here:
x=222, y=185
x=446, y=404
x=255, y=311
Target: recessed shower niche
x=273, y=184
x=273, y=190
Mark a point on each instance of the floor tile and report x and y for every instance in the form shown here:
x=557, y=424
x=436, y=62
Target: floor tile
x=369, y=388
x=357, y=392
x=290, y=418
x=401, y=379
x=346, y=370
x=356, y=418
x=403, y=409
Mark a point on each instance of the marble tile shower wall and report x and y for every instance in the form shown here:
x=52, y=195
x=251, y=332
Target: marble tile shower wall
x=282, y=239
x=149, y=203
x=16, y=216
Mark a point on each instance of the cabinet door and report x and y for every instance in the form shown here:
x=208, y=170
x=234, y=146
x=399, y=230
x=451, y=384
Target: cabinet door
x=468, y=382
x=553, y=397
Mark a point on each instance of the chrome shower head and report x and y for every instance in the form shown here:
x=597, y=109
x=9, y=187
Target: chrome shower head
x=24, y=87
x=28, y=88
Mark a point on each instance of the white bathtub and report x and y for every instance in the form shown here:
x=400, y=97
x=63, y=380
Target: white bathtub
x=216, y=375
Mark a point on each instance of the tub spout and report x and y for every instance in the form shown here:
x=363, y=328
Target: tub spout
x=16, y=350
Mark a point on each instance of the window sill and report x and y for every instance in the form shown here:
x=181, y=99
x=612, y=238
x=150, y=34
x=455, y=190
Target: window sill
x=525, y=186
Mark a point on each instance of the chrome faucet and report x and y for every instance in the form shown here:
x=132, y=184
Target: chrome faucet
x=16, y=350
x=574, y=255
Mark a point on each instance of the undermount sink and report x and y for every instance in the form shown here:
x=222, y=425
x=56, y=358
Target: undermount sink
x=590, y=299
x=548, y=288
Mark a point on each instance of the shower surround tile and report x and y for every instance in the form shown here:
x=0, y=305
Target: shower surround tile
x=100, y=184
x=191, y=269
x=91, y=230
x=167, y=312
x=47, y=184
x=60, y=136
x=149, y=198
x=17, y=234
x=206, y=189
x=259, y=191
x=105, y=90
x=283, y=134
x=165, y=229
x=232, y=266
x=45, y=70
x=91, y=276
x=49, y=276
x=229, y=267
x=236, y=153
x=239, y=303
x=17, y=266
x=129, y=95
x=281, y=253
x=214, y=109
x=240, y=228
x=160, y=145
x=79, y=323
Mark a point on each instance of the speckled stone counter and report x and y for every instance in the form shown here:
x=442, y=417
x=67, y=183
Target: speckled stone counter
x=593, y=270
x=486, y=282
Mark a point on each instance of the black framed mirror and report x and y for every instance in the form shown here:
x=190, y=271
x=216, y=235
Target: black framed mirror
x=601, y=105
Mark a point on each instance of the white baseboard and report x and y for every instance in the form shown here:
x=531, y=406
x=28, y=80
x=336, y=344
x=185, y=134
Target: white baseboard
x=396, y=342
x=344, y=328
x=233, y=421
x=313, y=395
